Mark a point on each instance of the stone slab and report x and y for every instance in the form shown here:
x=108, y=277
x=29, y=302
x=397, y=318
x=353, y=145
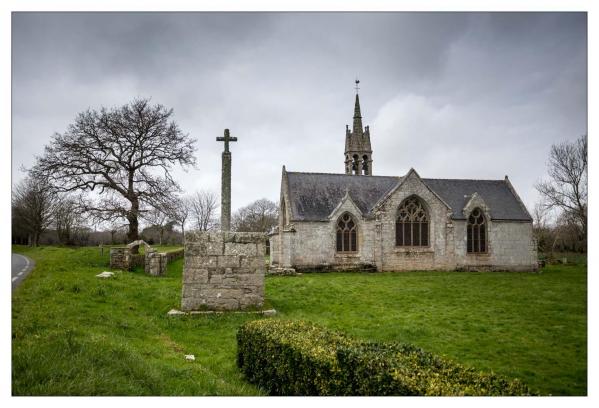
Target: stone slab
x=105, y=275
x=176, y=312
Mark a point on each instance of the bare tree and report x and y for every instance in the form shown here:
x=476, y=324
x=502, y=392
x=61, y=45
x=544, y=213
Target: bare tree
x=203, y=210
x=540, y=213
x=124, y=154
x=540, y=226
x=182, y=208
x=68, y=219
x=117, y=230
x=261, y=216
x=158, y=219
x=33, y=202
x=567, y=188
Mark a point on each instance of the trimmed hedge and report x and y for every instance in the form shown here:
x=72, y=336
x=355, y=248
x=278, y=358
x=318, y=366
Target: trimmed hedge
x=299, y=358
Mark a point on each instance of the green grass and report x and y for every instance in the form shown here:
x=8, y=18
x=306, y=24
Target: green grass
x=75, y=334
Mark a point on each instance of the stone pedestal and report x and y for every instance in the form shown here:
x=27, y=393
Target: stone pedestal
x=223, y=271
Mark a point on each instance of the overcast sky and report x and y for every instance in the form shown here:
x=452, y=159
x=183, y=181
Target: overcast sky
x=453, y=95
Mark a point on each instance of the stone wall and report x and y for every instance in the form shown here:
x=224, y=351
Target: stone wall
x=136, y=260
x=119, y=258
x=154, y=263
x=173, y=255
x=273, y=240
x=393, y=258
x=510, y=247
x=223, y=271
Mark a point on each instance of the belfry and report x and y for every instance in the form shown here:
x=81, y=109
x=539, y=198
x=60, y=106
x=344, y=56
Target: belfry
x=358, y=153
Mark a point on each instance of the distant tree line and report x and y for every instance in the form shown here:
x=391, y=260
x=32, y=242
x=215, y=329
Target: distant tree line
x=41, y=216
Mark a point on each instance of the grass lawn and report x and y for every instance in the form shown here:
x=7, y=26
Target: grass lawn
x=75, y=334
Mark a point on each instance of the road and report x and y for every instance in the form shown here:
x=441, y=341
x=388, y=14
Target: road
x=21, y=266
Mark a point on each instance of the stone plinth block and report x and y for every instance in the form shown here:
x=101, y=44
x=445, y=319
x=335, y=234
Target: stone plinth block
x=119, y=258
x=155, y=263
x=223, y=271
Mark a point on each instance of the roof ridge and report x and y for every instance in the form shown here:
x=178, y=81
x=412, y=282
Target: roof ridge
x=456, y=179
x=338, y=174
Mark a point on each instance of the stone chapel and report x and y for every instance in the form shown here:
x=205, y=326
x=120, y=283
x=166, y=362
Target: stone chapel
x=357, y=220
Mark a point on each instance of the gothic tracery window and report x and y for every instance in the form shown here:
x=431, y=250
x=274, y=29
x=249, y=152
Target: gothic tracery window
x=412, y=224
x=476, y=232
x=347, y=234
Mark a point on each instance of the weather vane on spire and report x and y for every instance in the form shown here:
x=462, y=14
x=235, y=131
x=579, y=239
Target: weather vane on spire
x=357, y=87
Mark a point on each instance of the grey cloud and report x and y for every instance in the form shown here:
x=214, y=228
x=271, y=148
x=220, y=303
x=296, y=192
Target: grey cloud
x=451, y=94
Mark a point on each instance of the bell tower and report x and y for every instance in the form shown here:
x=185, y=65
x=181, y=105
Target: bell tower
x=358, y=153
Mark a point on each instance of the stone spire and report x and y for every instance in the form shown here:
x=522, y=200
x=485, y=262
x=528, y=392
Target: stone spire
x=358, y=153
x=357, y=130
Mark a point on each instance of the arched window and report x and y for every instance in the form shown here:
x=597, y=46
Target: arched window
x=365, y=164
x=347, y=234
x=355, y=169
x=476, y=232
x=411, y=226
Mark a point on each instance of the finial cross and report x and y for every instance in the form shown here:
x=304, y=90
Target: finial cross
x=227, y=138
x=357, y=82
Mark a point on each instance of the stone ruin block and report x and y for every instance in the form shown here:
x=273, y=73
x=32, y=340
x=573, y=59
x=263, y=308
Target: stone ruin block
x=119, y=258
x=155, y=263
x=223, y=271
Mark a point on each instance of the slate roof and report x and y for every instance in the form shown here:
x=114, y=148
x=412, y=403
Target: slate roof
x=503, y=204
x=314, y=196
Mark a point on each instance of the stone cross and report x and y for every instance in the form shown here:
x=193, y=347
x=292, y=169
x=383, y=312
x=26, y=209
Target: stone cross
x=225, y=194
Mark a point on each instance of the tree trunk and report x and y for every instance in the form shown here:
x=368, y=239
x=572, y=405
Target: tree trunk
x=133, y=233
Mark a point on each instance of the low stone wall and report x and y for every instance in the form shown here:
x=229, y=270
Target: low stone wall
x=136, y=260
x=223, y=271
x=154, y=263
x=171, y=256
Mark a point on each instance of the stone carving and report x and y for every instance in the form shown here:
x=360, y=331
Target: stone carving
x=223, y=271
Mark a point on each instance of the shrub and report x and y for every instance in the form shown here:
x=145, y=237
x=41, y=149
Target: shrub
x=299, y=358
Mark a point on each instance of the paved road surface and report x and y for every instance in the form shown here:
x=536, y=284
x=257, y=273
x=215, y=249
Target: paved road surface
x=21, y=266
